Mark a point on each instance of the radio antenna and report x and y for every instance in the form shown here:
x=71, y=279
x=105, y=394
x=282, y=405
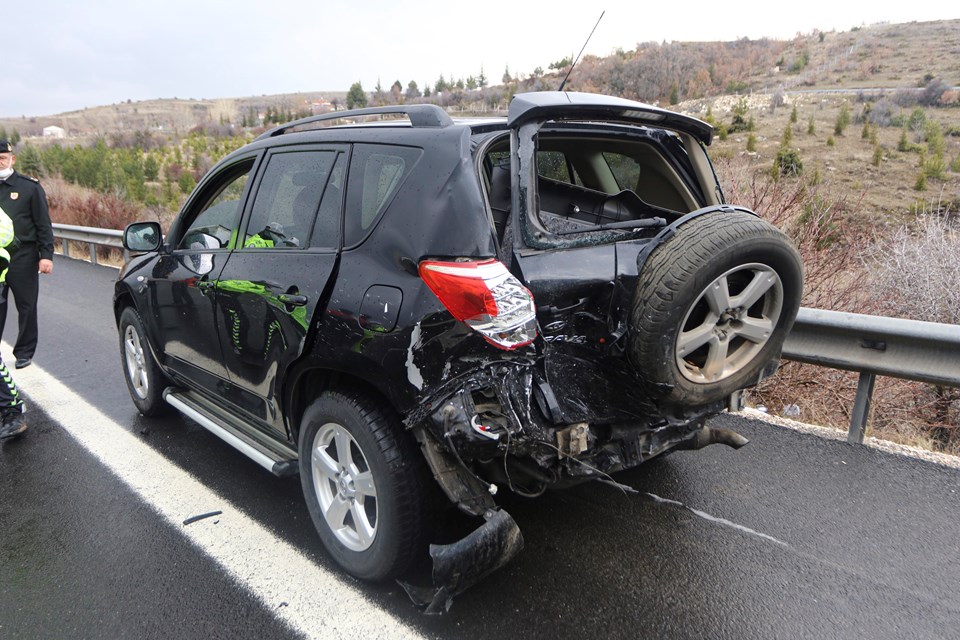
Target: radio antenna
x=562, y=84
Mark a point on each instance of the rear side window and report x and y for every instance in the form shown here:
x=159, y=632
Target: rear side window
x=624, y=168
x=287, y=199
x=554, y=165
x=376, y=173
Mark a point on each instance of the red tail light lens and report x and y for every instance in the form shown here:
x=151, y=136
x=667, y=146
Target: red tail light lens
x=486, y=297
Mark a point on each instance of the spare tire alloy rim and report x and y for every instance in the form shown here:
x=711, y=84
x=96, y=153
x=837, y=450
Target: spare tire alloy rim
x=136, y=366
x=344, y=486
x=729, y=323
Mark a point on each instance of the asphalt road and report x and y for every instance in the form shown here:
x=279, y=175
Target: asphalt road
x=790, y=537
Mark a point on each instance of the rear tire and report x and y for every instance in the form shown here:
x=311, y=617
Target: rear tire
x=365, y=483
x=713, y=306
x=145, y=381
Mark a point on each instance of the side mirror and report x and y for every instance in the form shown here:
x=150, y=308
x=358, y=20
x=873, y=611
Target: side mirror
x=140, y=237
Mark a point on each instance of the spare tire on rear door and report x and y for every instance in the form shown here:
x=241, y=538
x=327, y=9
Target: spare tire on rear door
x=713, y=306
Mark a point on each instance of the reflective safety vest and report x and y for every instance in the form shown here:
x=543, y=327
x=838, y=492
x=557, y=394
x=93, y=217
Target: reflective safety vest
x=6, y=237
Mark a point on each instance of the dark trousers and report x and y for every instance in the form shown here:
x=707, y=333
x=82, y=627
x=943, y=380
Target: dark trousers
x=9, y=396
x=23, y=279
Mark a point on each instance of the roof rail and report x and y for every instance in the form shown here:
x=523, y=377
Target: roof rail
x=421, y=115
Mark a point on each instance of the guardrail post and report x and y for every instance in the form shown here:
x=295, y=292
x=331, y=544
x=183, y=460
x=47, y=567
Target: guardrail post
x=93, y=253
x=66, y=248
x=861, y=408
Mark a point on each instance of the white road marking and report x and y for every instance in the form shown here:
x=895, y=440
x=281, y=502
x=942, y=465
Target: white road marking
x=306, y=597
x=723, y=521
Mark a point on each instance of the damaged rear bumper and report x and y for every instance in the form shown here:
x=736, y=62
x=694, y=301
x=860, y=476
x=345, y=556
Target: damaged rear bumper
x=531, y=424
x=503, y=425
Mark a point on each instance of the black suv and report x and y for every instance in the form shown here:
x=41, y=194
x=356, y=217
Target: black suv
x=417, y=302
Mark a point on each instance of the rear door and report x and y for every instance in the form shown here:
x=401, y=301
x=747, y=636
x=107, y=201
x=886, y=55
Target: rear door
x=275, y=279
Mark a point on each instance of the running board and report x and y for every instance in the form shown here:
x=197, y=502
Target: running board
x=277, y=459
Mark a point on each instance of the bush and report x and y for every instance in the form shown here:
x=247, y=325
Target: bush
x=776, y=100
x=787, y=163
x=916, y=121
x=882, y=113
x=936, y=144
x=739, y=121
x=70, y=204
x=29, y=161
x=910, y=274
x=843, y=120
x=751, y=142
x=932, y=92
x=935, y=167
x=736, y=86
x=913, y=271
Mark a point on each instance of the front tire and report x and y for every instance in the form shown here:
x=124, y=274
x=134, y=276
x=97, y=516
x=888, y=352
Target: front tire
x=713, y=307
x=365, y=484
x=145, y=381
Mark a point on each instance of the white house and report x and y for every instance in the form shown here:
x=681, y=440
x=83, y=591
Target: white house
x=54, y=132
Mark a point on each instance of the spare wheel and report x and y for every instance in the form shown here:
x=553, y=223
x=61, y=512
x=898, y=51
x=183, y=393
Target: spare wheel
x=713, y=306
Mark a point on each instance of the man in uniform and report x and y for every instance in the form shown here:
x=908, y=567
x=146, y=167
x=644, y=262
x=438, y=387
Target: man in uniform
x=26, y=203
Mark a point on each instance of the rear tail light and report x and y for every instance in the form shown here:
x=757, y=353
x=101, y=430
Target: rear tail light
x=487, y=298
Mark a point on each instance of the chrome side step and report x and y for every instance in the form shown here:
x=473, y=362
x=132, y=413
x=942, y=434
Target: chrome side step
x=274, y=457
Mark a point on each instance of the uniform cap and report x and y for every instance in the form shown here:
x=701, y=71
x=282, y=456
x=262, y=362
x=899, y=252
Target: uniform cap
x=5, y=147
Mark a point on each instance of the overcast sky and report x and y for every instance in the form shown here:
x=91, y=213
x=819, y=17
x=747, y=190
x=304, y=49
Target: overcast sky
x=65, y=55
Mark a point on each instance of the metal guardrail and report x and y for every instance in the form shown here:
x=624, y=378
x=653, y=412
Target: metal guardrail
x=875, y=345
x=871, y=345
x=93, y=236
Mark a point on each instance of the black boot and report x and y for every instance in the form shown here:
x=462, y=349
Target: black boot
x=14, y=424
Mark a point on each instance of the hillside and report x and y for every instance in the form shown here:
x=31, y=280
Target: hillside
x=876, y=74
x=171, y=115
x=889, y=56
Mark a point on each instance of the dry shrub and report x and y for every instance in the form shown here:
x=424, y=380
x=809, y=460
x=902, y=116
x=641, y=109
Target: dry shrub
x=70, y=204
x=823, y=226
x=915, y=272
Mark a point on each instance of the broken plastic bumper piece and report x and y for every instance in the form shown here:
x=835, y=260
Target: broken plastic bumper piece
x=462, y=564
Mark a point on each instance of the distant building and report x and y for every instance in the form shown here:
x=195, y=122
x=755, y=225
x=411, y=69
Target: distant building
x=321, y=106
x=54, y=132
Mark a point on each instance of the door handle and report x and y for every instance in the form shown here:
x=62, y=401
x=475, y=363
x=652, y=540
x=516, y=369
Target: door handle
x=292, y=299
